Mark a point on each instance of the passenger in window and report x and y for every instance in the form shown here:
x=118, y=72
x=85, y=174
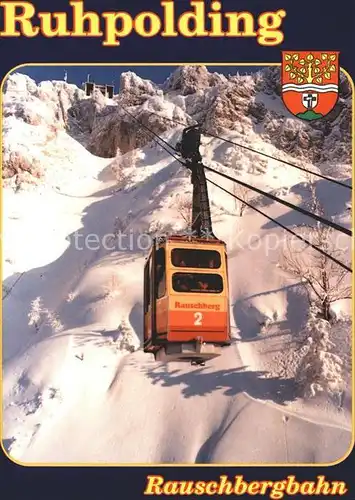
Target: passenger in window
x=202, y=285
x=178, y=260
x=182, y=284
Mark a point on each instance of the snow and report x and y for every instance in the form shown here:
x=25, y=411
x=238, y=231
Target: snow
x=77, y=386
x=130, y=81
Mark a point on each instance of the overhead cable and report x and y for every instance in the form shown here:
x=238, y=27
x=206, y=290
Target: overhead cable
x=320, y=219
x=316, y=217
x=248, y=148
x=320, y=250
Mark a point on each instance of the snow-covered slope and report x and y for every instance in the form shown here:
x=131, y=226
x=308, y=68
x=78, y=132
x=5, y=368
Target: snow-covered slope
x=77, y=386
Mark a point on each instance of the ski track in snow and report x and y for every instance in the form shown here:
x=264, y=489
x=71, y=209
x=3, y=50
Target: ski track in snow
x=73, y=393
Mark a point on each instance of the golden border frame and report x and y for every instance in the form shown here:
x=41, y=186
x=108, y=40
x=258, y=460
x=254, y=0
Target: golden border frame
x=101, y=464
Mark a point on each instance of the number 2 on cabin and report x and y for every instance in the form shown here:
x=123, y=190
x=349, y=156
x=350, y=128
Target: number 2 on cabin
x=198, y=319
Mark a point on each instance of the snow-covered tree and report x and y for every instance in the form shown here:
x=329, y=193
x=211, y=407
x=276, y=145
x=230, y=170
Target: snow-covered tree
x=122, y=167
x=156, y=228
x=39, y=315
x=36, y=312
x=127, y=340
x=320, y=369
x=54, y=322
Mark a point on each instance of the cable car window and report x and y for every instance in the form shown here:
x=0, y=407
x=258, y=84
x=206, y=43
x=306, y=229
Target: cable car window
x=160, y=275
x=197, y=283
x=203, y=259
x=147, y=285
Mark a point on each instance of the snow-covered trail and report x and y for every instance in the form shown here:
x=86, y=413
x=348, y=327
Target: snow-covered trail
x=62, y=245
x=153, y=413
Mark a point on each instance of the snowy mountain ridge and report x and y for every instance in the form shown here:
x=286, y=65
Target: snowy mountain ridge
x=249, y=105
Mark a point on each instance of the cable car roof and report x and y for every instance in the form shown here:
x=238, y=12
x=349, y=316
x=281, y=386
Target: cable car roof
x=191, y=240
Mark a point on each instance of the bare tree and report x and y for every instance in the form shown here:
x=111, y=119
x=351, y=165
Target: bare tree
x=244, y=194
x=120, y=226
x=313, y=204
x=184, y=209
x=325, y=281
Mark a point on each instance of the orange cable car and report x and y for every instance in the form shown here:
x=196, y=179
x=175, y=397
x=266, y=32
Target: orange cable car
x=186, y=299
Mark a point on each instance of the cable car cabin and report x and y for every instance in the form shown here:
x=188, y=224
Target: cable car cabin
x=186, y=300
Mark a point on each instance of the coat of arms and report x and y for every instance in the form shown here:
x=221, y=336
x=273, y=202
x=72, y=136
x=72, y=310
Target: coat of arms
x=310, y=82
